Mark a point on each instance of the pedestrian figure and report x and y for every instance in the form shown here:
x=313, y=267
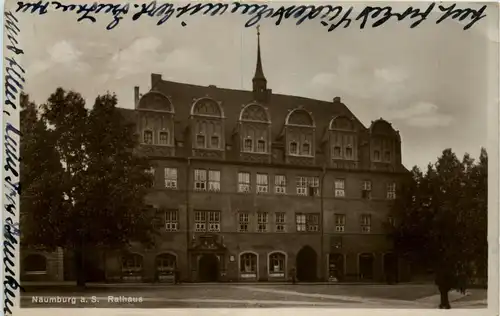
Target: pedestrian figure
x=294, y=275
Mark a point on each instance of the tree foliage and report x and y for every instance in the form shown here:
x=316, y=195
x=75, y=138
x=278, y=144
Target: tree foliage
x=441, y=217
x=84, y=183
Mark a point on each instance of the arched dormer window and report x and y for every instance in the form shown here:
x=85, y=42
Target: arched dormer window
x=207, y=107
x=254, y=128
x=343, y=138
x=254, y=112
x=156, y=112
x=207, y=122
x=155, y=100
x=300, y=127
x=300, y=117
x=385, y=141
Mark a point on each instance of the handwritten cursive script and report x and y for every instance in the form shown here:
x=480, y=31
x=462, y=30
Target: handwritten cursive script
x=13, y=85
x=329, y=16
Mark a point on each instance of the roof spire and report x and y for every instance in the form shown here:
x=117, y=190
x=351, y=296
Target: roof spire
x=259, y=73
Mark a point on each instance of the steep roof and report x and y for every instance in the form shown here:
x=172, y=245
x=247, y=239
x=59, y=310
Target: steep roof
x=183, y=96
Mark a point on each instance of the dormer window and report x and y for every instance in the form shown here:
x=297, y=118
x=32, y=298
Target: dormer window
x=293, y=148
x=306, y=149
x=261, y=146
x=248, y=145
x=348, y=152
x=163, y=137
x=214, y=141
x=336, y=152
x=376, y=155
x=200, y=141
x=387, y=156
x=148, y=137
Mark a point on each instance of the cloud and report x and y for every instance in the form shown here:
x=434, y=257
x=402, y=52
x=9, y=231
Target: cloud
x=61, y=55
x=184, y=58
x=354, y=78
x=146, y=55
x=421, y=114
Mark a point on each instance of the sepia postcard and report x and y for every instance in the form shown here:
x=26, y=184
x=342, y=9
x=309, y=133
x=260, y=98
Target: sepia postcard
x=220, y=157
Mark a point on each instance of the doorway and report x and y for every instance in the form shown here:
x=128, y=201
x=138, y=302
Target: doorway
x=366, y=262
x=208, y=268
x=306, y=264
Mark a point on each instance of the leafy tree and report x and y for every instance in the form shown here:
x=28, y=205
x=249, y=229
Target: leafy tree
x=442, y=221
x=85, y=180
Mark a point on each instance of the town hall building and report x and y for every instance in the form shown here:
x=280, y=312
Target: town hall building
x=252, y=185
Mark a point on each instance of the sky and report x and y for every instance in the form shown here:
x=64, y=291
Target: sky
x=435, y=83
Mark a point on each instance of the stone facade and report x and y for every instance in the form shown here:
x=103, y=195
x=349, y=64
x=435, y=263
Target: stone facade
x=255, y=186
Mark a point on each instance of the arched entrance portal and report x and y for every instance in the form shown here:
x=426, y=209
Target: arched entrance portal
x=208, y=268
x=306, y=264
x=366, y=263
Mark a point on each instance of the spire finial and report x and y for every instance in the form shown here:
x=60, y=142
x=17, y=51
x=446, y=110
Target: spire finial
x=259, y=73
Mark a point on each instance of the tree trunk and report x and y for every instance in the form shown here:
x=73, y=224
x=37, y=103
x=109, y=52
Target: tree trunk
x=80, y=268
x=445, y=303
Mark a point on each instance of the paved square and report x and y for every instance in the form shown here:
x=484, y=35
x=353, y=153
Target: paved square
x=255, y=295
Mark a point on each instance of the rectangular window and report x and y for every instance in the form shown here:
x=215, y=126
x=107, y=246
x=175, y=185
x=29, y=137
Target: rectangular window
x=293, y=148
x=337, y=153
x=339, y=188
x=214, y=141
x=214, y=180
x=171, y=178
x=366, y=223
x=391, y=191
x=348, y=152
x=163, y=138
x=204, y=219
x=244, y=182
x=171, y=221
x=262, y=183
x=308, y=186
x=387, y=156
x=307, y=222
x=248, y=145
x=280, y=184
x=339, y=223
x=367, y=189
x=262, y=222
x=300, y=221
x=243, y=221
x=376, y=155
x=312, y=222
x=200, y=180
x=200, y=141
x=214, y=221
x=279, y=219
x=261, y=146
x=306, y=149
x=200, y=221
x=148, y=137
